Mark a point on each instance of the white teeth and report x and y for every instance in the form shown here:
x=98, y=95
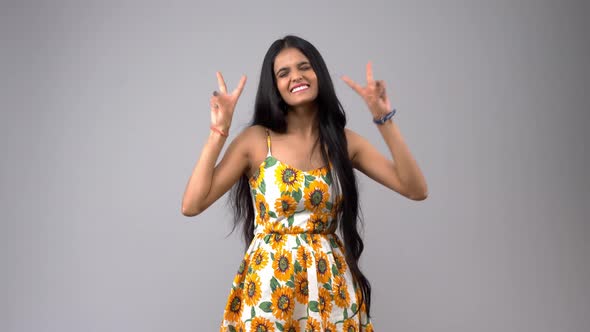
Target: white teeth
x=299, y=88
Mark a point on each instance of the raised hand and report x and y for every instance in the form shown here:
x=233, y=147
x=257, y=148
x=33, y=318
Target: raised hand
x=373, y=93
x=223, y=103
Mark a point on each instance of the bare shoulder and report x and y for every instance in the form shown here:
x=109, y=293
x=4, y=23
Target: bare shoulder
x=253, y=135
x=351, y=135
x=353, y=140
x=250, y=135
x=253, y=144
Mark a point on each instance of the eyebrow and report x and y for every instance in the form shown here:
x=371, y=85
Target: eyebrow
x=285, y=68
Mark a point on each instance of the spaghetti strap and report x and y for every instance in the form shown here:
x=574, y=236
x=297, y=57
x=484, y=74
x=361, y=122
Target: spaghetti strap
x=268, y=154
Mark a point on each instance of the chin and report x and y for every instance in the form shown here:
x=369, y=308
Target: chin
x=302, y=102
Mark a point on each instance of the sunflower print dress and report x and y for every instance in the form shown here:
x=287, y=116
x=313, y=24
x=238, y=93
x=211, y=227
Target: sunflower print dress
x=294, y=277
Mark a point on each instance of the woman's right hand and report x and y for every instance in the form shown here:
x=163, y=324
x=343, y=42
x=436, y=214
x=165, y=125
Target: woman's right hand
x=223, y=104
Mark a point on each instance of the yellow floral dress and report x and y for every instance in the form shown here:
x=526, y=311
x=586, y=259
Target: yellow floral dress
x=294, y=277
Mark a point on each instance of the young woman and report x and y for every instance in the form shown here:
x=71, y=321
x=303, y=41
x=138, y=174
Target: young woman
x=293, y=186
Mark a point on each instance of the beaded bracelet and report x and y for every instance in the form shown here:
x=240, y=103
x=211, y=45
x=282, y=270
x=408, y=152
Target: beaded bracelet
x=218, y=131
x=385, y=118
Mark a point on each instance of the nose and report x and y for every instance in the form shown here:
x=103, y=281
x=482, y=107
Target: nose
x=297, y=76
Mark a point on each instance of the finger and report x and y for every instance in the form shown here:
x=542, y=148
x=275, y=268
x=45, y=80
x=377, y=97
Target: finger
x=213, y=103
x=221, y=83
x=238, y=91
x=386, y=97
x=380, y=88
x=353, y=85
x=369, y=72
x=387, y=102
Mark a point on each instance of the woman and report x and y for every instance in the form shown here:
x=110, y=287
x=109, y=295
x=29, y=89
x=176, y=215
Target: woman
x=294, y=191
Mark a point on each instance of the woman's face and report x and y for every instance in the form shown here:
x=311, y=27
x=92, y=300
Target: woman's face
x=296, y=80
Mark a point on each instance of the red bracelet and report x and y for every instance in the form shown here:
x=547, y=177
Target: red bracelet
x=218, y=131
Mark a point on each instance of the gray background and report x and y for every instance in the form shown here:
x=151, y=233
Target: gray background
x=105, y=111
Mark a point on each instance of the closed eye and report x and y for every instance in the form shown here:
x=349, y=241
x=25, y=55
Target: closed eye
x=285, y=71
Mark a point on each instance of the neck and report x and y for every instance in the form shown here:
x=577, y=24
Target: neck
x=302, y=120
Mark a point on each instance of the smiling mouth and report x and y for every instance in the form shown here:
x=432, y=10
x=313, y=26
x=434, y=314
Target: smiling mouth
x=300, y=88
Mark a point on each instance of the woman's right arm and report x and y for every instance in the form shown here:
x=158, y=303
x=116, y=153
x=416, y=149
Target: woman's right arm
x=209, y=182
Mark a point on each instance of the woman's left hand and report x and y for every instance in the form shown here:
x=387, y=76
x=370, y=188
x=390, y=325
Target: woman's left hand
x=373, y=93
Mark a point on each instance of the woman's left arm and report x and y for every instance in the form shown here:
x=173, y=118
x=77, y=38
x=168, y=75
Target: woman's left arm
x=401, y=174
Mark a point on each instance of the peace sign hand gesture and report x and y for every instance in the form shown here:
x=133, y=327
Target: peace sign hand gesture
x=223, y=103
x=373, y=94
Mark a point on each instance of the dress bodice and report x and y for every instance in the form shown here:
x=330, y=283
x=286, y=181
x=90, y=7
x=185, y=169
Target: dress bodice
x=290, y=200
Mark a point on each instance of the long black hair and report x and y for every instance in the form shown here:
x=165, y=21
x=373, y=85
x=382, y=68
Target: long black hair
x=270, y=111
